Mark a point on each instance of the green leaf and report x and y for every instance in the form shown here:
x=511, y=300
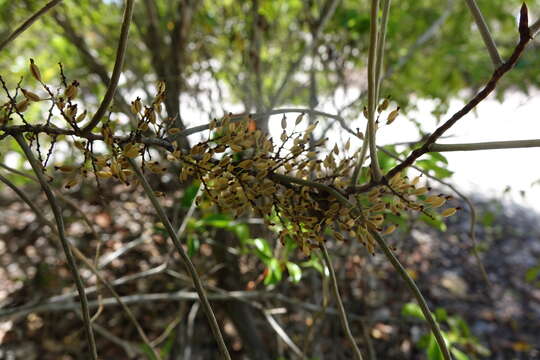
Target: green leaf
x=148, y=352
x=242, y=232
x=262, y=249
x=295, y=272
x=315, y=262
x=458, y=354
x=431, y=165
x=433, y=352
x=217, y=220
x=438, y=157
x=435, y=222
x=193, y=245
x=274, y=272
x=532, y=273
x=189, y=195
x=413, y=310
x=441, y=314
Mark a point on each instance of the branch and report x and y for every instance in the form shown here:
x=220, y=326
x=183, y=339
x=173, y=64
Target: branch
x=535, y=27
x=36, y=166
x=381, y=40
x=484, y=31
x=128, y=299
x=472, y=217
x=283, y=335
x=490, y=145
x=187, y=261
x=341, y=308
x=416, y=292
x=393, y=260
x=120, y=54
x=427, y=35
x=525, y=37
x=372, y=91
x=25, y=25
x=53, y=130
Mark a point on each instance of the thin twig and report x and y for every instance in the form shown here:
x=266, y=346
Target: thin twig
x=381, y=41
x=25, y=25
x=187, y=261
x=372, y=91
x=56, y=306
x=422, y=39
x=283, y=335
x=36, y=166
x=535, y=27
x=484, y=31
x=341, y=308
x=119, y=62
x=490, y=145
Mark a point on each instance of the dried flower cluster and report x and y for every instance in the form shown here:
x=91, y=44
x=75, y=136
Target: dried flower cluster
x=296, y=184
x=242, y=170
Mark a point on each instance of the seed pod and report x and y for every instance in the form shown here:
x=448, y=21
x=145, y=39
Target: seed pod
x=284, y=122
x=348, y=145
x=104, y=174
x=421, y=191
x=173, y=131
x=131, y=151
x=392, y=116
x=35, y=70
x=60, y=103
x=246, y=164
x=22, y=106
x=436, y=201
x=30, y=95
x=151, y=115
x=449, y=212
x=383, y=105
x=252, y=125
x=71, y=183
x=65, y=168
x=143, y=126
x=136, y=106
x=389, y=230
x=71, y=112
x=72, y=90
x=81, y=117
x=299, y=119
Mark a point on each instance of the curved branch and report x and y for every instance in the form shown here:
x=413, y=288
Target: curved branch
x=36, y=166
x=416, y=292
x=25, y=25
x=187, y=261
x=120, y=55
x=372, y=91
x=489, y=145
x=341, y=308
x=484, y=31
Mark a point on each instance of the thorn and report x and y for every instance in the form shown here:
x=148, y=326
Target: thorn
x=524, y=31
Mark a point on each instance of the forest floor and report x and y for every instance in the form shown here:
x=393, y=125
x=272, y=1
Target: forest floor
x=500, y=321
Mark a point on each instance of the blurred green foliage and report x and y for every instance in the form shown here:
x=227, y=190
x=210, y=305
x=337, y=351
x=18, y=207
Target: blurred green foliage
x=458, y=336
